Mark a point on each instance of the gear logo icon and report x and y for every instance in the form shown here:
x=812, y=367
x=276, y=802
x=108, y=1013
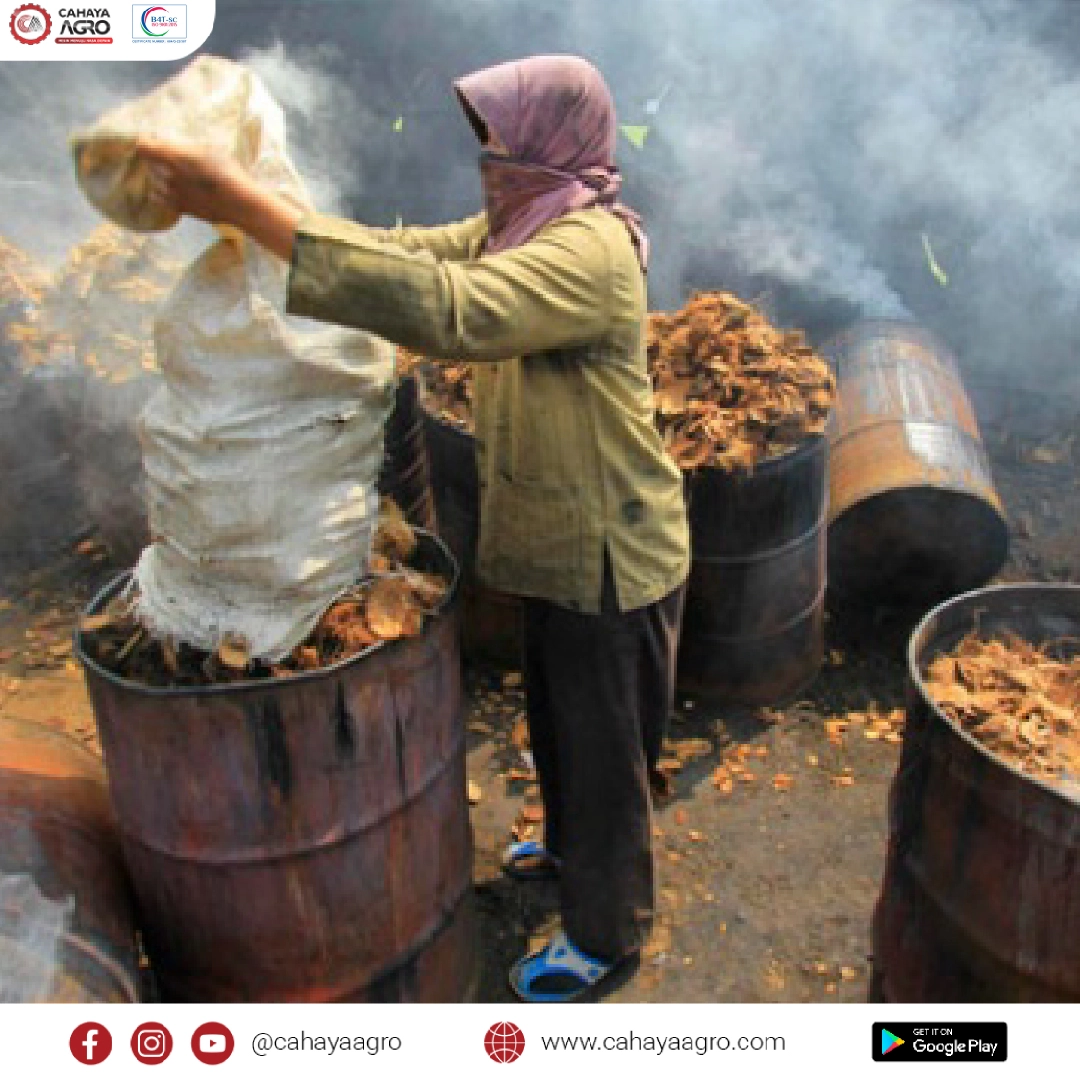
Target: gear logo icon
x=30, y=24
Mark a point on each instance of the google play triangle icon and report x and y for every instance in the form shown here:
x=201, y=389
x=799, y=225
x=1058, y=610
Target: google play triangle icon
x=889, y=1041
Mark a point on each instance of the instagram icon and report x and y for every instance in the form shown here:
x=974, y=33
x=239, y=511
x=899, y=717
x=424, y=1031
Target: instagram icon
x=151, y=1043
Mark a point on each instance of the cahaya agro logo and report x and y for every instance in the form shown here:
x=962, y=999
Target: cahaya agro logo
x=158, y=23
x=84, y=26
x=30, y=24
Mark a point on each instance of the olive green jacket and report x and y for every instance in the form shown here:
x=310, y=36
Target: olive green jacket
x=569, y=457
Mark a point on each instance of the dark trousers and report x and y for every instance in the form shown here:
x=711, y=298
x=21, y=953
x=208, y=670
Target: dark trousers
x=599, y=690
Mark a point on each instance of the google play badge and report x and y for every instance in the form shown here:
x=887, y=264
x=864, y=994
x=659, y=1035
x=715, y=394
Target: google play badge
x=889, y=1041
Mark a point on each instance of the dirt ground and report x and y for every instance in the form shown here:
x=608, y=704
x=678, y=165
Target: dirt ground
x=766, y=892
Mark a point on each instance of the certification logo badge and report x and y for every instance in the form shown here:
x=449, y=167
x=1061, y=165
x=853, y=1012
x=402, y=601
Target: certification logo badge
x=160, y=24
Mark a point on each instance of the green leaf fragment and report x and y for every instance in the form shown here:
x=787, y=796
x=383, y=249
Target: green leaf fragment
x=939, y=275
x=635, y=134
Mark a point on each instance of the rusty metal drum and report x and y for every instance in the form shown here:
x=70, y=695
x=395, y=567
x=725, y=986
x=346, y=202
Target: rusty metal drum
x=67, y=929
x=981, y=896
x=304, y=838
x=753, y=626
x=913, y=512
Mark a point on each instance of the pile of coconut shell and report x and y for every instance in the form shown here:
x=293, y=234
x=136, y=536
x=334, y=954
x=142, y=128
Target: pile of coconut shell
x=392, y=602
x=1020, y=701
x=731, y=389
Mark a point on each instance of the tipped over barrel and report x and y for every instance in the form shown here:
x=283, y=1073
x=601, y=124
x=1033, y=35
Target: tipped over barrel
x=913, y=513
x=304, y=838
x=67, y=931
x=981, y=896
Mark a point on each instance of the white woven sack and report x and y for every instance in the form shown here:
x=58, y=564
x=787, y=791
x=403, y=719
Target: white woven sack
x=263, y=446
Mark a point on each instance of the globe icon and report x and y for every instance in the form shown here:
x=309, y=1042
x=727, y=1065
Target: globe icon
x=504, y=1042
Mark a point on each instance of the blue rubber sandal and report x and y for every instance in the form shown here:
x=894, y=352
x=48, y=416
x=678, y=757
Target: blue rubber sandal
x=518, y=857
x=559, y=961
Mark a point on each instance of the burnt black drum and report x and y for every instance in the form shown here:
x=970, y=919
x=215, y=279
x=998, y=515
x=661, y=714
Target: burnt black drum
x=405, y=474
x=753, y=628
x=491, y=621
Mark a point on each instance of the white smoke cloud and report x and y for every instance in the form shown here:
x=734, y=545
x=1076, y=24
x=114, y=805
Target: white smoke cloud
x=806, y=144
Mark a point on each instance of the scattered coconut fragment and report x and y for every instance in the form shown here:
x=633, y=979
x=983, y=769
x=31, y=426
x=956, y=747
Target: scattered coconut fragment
x=233, y=652
x=686, y=750
x=722, y=780
x=519, y=733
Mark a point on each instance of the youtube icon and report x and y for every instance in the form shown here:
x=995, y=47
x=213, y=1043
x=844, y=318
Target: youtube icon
x=212, y=1043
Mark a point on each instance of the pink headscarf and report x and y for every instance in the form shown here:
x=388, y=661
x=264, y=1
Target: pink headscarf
x=556, y=117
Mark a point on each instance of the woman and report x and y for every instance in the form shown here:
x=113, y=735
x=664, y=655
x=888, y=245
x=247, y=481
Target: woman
x=581, y=510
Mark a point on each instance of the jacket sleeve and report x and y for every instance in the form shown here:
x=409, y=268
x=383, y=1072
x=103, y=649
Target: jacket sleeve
x=455, y=242
x=552, y=292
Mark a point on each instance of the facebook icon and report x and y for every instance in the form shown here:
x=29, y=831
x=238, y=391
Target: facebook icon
x=90, y=1043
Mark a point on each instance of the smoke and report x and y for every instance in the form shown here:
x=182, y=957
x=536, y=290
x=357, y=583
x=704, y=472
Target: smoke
x=41, y=209
x=832, y=159
x=798, y=149
x=796, y=152
x=324, y=150
x=803, y=150
x=814, y=144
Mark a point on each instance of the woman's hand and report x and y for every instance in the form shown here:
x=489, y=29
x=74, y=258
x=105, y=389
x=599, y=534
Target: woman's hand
x=192, y=180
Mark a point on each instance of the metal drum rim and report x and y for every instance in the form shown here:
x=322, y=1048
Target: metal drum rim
x=918, y=642
x=249, y=686
x=876, y=325
x=466, y=437
x=835, y=512
x=796, y=455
